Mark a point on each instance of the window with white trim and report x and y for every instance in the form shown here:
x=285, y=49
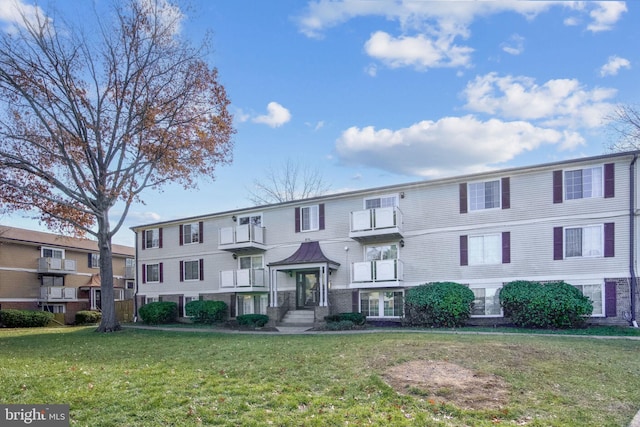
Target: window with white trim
x=583, y=183
x=191, y=233
x=152, y=238
x=484, y=195
x=381, y=252
x=309, y=218
x=381, y=202
x=192, y=270
x=486, y=301
x=250, y=262
x=54, y=308
x=151, y=299
x=187, y=300
x=253, y=219
x=52, y=253
x=94, y=260
x=153, y=273
x=485, y=249
x=381, y=303
x=595, y=292
x=584, y=242
x=252, y=304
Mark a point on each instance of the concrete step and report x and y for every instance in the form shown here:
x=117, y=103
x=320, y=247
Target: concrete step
x=298, y=317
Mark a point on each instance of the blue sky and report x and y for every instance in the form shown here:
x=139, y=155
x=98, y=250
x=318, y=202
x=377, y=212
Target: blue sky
x=376, y=92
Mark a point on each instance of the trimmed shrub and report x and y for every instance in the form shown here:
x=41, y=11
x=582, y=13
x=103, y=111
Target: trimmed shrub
x=253, y=320
x=207, y=312
x=341, y=325
x=87, y=317
x=358, y=319
x=11, y=318
x=550, y=305
x=439, y=304
x=159, y=312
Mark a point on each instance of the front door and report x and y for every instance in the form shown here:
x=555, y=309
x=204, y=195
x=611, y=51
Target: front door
x=307, y=289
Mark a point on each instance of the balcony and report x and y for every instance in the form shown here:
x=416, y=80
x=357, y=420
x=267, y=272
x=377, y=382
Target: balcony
x=130, y=272
x=56, y=266
x=57, y=293
x=379, y=273
x=375, y=225
x=242, y=238
x=246, y=280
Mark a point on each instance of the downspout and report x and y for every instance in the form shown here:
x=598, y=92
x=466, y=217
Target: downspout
x=135, y=294
x=632, y=220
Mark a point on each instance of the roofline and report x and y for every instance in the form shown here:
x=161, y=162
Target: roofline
x=391, y=187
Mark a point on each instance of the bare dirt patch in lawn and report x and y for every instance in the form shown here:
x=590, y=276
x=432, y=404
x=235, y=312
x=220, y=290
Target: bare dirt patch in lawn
x=449, y=383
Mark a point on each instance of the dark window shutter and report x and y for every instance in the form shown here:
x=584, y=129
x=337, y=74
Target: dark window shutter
x=161, y=275
x=557, y=186
x=232, y=306
x=181, y=306
x=181, y=234
x=463, y=197
x=506, y=193
x=297, y=214
x=610, y=308
x=506, y=247
x=144, y=273
x=201, y=262
x=321, y=216
x=355, y=302
x=181, y=271
x=201, y=231
x=557, y=243
x=609, y=180
x=609, y=239
x=89, y=260
x=464, y=250
x=159, y=237
x=144, y=240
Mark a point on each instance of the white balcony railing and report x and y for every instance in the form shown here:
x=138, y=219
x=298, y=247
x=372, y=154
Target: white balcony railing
x=246, y=234
x=377, y=219
x=56, y=265
x=388, y=270
x=57, y=293
x=246, y=279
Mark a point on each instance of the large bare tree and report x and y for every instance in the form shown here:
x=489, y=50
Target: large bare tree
x=625, y=123
x=91, y=117
x=290, y=180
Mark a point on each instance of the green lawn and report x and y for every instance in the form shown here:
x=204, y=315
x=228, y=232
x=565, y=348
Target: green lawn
x=156, y=378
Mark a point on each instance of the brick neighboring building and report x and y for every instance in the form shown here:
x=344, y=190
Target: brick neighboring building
x=45, y=271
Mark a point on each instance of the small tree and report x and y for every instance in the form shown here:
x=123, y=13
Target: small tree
x=91, y=119
x=439, y=304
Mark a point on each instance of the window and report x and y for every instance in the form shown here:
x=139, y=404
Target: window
x=485, y=249
x=374, y=253
x=152, y=273
x=583, y=241
x=150, y=300
x=190, y=233
x=255, y=219
x=192, y=270
x=131, y=284
x=130, y=262
x=250, y=262
x=381, y=303
x=187, y=300
x=484, y=195
x=381, y=202
x=594, y=293
x=583, y=183
x=152, y=238
x=52, y=253
x=94, y=260
x=54, y=308
x=309, y=218
x=486, y=302
x=52, y=280
x=252, y=304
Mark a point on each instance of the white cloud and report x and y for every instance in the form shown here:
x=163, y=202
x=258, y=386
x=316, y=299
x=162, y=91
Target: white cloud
x=419, y=51
x=559, y=102
x=170, y=16
x=449, y=146
x=15, y=12
x=276, y=116
x=613, y=65
x=515, y=45
x=605, y=14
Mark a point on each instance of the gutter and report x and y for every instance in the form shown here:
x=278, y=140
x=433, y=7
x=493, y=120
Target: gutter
x=632, y=219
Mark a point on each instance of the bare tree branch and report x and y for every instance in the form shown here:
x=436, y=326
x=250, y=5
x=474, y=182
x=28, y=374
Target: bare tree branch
x=625, y=124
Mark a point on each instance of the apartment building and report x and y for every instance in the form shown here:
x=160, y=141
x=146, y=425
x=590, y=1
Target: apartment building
x=44, y=271
x=573, y=220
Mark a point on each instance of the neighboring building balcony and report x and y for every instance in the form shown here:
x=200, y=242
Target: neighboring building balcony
x=57, y=293
x=376, y=224
x=130, y=272
x=246, y=280
x=379, y=273
x=56, y=266
x=242, y=238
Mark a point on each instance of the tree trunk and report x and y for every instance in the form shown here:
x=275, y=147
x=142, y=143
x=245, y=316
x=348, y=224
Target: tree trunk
x=109, y=321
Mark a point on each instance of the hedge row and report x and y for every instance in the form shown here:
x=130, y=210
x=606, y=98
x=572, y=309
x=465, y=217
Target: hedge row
x=207, y=312
x=11, y=318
